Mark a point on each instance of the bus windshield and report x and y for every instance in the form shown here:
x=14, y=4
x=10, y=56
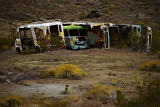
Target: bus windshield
x=73, y=32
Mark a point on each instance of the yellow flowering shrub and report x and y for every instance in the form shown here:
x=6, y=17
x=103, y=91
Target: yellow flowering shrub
x=11, y=101
x=153, y=65
x=99, y=91
x=49, y=73
x=64, y=71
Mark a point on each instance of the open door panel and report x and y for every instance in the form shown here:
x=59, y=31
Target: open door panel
x=114, y=36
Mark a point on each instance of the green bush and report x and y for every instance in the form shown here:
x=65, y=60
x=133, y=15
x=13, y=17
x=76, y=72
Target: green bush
x=52, y=41
x=56, y=40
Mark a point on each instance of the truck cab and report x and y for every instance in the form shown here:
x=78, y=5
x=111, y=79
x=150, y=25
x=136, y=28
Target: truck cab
x=32, y=35
x=75, y=37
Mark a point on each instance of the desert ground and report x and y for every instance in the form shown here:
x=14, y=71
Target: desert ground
x=20, y=74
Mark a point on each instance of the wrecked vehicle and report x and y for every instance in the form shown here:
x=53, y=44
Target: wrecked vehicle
x=32, y=35
x=137, y=37
x=75, y=37
x=84, y=35
x=100, y=35
x=146, y=38
x=103, y=35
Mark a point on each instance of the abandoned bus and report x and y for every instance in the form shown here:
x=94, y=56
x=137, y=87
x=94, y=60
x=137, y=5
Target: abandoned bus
x=103, y=35
x=75, y=37
x=139, y=37
x=32, y=35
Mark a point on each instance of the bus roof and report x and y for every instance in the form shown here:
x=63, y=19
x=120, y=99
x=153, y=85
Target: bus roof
x=72, y=27
x=39, y=25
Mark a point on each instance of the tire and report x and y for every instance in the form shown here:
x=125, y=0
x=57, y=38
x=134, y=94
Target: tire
x=18, y=50
x=37, y=49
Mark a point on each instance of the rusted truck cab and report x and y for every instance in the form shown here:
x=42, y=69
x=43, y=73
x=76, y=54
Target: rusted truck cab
x=32, y=35
x=75, y=37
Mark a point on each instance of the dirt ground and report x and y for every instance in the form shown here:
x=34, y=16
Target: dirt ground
x=119, y=68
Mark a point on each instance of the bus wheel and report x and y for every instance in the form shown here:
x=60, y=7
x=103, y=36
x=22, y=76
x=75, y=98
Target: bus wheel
x=18, y=50
x=37, y=49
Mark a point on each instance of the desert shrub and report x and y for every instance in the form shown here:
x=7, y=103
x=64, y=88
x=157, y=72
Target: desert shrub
x=103, y=1
x=140, y=22
x=64, y=71
x=78, y=6
x=7, y=42
x=105, y=10
x=49, y=73
x=11, y=37
x=82, y=15
x=1, y=72
x=25, y=83
x=4, y=43
x=150, y=11
x=111, y=74
x=28, y=51
x=28, y=21
x=52, y=40
x=20, y=67
x=11, y=101
x=45, y=45
x=65, y=102
x=99, y=91
x=122, y=44
x=72, y=19
x=2, y=79
x=138, y=82
x=153, y=65
x=59, y=103
x=36, y=98
x=56, y=40
x=149, y=96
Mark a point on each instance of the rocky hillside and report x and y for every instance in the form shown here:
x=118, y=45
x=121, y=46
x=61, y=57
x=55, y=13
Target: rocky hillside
x=15, y=12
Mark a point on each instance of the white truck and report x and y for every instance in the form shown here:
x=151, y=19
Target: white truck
x=31, y=35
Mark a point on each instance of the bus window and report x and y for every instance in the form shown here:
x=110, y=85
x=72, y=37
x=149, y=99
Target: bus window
x=83, y=32
x=73, y=32
x=54, y=29
x=66, y=33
